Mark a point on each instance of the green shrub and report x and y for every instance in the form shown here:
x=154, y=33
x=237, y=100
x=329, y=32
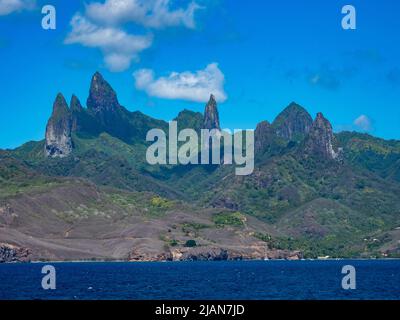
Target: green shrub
x=229, y=219
x=161, y=203
x=190, y=243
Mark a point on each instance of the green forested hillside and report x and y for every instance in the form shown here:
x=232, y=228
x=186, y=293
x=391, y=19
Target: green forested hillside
x=311, y=190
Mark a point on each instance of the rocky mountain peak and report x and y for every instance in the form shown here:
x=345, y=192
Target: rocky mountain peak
x=321, y=141
x=293, y=123
x=212, y=99
x=75, y=104
x=262, y=135
x=190, y=119
x=60, y=106
x=211, y=117
x=320, y=119
x=58, y=130
x=78, y=114
x=102, y=96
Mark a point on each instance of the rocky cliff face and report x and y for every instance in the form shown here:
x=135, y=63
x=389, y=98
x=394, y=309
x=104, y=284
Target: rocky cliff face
x=83, y=120
x=211, y=117
x=75, y=104
x=76, y=110
x=102, y=98
x=58, y=130
x=216, y=253
x=321, y=141
x=293, y=123
x=103, y=114
x=262, y=136
x=12, y=253
x=103, y=104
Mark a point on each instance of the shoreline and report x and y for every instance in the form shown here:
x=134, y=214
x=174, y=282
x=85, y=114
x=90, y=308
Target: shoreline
x=202, y=261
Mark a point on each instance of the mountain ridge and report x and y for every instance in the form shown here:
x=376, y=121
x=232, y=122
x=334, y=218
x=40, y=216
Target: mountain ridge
x=313, y=192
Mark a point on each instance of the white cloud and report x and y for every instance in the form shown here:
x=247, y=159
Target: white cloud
x=102, y=27
x=10, y=6
x=148, y=13
x=185, y=86
x=119, y=48
x=363, y=123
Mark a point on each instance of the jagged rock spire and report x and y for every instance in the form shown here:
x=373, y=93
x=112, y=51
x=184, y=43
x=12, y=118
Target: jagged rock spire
x=77, y=112
x=75, y=105
x=58, y=130
x=321, y=141
x=60, y=106
x=211, y=117
x=109, y=115
x=293, y=123
x=102, y=97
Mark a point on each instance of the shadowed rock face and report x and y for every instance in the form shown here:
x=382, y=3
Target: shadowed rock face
x=293, y=123
x=103, y=105
x=211, y=117
x=83, y=120
x=75, y=104
x=102, y=97
x=262, y=136
x=76, y=109
x=320, y=141
x=58, y=130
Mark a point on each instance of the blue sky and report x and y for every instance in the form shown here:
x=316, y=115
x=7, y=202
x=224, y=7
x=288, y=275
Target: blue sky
x=164, y=56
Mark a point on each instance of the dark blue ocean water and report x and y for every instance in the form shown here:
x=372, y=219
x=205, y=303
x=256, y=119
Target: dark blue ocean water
x=375, y=279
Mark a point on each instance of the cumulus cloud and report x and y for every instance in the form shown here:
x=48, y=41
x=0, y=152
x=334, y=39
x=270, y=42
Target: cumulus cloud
x=10, y=6
x=148, y=13
x=102, y=27
x=192, y=86
x=119, y=48
x=363, y=123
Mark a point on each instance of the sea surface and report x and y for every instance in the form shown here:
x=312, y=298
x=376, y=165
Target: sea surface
x=255, y=280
